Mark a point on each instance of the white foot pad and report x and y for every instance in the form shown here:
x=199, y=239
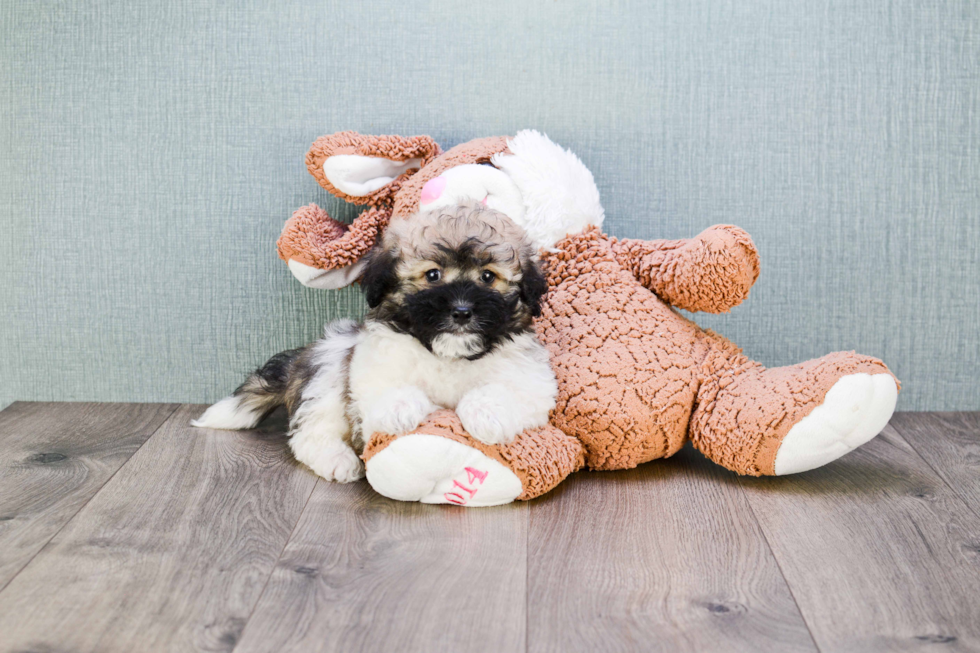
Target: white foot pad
x=432, y=469
x=855, y=410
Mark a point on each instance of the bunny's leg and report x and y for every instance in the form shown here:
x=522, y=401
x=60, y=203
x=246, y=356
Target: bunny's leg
x=761, y=422
x=440, y=463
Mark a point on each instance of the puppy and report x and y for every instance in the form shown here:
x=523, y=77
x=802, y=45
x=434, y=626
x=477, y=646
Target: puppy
x=452, y=294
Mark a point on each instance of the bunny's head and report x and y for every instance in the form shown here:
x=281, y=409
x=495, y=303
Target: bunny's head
x=541, y=187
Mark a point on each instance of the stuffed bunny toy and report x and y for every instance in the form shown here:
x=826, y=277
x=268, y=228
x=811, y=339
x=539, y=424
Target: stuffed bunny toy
x=636, y=379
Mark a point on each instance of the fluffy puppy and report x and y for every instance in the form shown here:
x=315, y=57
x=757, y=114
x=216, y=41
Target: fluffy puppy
x=452, y=294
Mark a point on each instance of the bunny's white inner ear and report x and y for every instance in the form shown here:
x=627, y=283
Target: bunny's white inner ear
x=326, y=279
x=357, y=176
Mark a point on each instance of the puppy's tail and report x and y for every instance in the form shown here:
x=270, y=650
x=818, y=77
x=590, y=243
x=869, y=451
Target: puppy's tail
x=262, y=392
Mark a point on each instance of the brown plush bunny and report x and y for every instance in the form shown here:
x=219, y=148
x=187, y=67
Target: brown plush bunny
x=636, y=379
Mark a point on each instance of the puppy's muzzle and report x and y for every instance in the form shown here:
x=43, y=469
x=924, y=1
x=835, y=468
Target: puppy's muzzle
x=462, y=313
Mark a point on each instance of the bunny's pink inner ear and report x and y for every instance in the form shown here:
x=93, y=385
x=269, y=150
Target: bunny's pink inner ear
x=367, y=169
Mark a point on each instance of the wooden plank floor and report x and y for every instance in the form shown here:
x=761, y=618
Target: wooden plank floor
x=123, y=529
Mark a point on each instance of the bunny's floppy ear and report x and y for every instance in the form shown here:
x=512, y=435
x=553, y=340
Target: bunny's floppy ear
x=367, y=169
x=324, y=253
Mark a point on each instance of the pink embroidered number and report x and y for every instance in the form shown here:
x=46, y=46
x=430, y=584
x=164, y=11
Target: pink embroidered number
x=474, y=474
x=473, y=477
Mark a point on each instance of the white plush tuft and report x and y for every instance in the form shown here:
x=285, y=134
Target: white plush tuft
x=230, y=414
x=560, y=195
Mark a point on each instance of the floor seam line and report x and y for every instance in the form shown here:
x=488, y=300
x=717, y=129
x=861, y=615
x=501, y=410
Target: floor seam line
x=89, y=500
x=935, y=471
x=527, y=585
x=779, y=567
x=275, y=564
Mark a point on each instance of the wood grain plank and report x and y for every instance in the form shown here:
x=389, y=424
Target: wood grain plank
x=172, y=554
x=363, y=573
x=666, y=557
x=53, y=459
x=880, y=554
x=950, y=443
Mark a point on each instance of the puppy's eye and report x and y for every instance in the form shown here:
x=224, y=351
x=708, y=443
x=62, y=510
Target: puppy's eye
x=433, y=275
x=488, y=276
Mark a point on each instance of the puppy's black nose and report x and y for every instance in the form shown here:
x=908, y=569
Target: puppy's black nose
x=462, y=314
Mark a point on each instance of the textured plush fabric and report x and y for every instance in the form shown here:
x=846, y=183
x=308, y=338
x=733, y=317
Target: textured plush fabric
x=636, y=379
x=313, y=238
x=150, y=153
x=711, y=273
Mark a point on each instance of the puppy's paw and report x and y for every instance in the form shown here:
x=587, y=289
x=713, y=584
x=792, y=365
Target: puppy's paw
x=398, y=411
x=488, y=415
x=334, y=461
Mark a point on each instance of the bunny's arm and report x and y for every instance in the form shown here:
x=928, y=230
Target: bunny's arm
x=711, y=272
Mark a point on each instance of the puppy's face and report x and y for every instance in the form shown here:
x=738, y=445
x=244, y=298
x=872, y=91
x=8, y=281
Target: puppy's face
x=461, y=280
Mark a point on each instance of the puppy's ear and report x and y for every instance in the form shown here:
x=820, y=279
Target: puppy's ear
x=379, y=277
x=533, y=287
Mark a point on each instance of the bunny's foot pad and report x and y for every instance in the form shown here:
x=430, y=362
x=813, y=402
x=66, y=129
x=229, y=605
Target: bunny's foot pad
x=440, y=463
x=432, y=469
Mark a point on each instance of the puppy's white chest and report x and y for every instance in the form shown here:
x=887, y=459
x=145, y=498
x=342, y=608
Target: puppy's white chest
x=385, y=360
x=446, y=382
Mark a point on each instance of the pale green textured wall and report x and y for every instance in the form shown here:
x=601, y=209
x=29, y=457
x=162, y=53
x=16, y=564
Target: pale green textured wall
x=150, y=152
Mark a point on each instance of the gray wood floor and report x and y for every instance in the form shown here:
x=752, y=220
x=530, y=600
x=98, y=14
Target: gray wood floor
x=123, y=529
